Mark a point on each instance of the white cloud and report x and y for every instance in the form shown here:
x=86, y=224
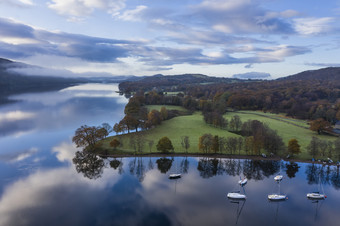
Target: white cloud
x=313, y=26
x=134, y=14
x=18, y=3
x=15, y=116
x=76, y=9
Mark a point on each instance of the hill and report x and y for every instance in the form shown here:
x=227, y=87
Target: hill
x=325, y=74
x=172, y=82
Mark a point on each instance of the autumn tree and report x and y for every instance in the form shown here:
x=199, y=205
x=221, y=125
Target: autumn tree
x=164, y=145
x=107, y=126
x=185, y=142
x=293, y=147
x=140, y=141
x=87, y=136
x=205, y=143
x=320, y=125
x=114, y=143
x=235, y=123
x=154, y=118
x=215, y=144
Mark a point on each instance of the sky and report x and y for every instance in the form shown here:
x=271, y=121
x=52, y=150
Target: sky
x=145, y=37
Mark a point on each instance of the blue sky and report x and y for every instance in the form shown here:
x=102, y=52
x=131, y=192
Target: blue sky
x=146, y=37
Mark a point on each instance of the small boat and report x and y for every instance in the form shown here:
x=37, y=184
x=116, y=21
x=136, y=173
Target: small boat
x=175, y=176
x=243, y=181
x=278, y=177
x=236, y=195
x=316, y=195
x=277, y=197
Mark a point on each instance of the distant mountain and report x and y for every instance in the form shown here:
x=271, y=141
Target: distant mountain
x=325, y=74
x=14, y=82
x=169, y=82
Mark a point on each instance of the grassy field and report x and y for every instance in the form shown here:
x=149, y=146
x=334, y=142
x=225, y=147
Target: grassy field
x=194, y=127
x=299, y=130
x=190, y=125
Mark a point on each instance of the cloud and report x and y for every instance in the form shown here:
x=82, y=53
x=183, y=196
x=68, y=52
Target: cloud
x=323, y=64
x=79, y=9
x=17, y=3
x=134, y=14
x=313, y=26
x=18, y=156
x=252, y=75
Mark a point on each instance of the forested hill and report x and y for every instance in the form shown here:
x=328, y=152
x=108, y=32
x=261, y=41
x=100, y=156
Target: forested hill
x=12, y=82
x=173, y=82
x=324, y=74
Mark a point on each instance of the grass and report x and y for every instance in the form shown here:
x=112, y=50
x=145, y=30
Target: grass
x=285, y=129
x=189, y=125
x=194, y=127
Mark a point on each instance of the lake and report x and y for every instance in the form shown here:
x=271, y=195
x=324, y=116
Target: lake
x=46, y=180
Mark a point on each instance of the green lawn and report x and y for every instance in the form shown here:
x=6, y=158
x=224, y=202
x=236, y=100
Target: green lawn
x=190, y=125
x=194, y=127
x=286, y=130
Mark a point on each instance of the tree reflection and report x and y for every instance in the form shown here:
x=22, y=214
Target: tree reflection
x=116, y=164
x=164, y=164
x=184, y=165
x=291, y=169
x=210, y=167
x=88, y=164
x=138, y=168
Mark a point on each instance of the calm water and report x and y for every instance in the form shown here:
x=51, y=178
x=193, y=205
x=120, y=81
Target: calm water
x=40, y=184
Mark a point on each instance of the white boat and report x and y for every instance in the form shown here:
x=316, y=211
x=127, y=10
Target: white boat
x=277, y=197
x=278, y=177
x=243, y=181
x=175, y=176
x=236, y=195
x=316, y=195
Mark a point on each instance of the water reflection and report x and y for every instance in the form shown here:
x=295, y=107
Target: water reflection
x=89, y=164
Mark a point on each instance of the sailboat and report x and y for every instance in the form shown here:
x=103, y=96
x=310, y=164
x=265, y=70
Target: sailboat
x=278, y=177
x=175, y=175
x=243, y=181
x=237, y=194
x=317, y=194
x=277, y=196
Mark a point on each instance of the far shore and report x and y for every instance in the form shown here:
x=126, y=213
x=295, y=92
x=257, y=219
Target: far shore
x=211, y=155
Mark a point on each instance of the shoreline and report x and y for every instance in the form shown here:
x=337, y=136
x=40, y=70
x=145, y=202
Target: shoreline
x=211, y=155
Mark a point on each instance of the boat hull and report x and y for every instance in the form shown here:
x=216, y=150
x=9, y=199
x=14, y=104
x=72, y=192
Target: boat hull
x=276, y=197
x=278, y=178
x=316, y=196
x=242, y=182
x=175, y=176
x=235, y=195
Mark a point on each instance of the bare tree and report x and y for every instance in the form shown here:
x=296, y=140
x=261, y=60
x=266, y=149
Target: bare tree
x=185, y=143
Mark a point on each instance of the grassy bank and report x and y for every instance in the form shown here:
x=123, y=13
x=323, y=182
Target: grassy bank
x=194, y=127
x=287, y=128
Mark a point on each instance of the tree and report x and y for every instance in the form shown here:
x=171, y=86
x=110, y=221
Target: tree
x=154, y=118
x=87, y=136
x=107, y=126
x=337, y=149
x=140, y=141
x=205, y=142
x=150, y=143
x=293, y=147
x=215, y=144
x=164, y=145
x=235, y=123
x=164, y=113
x=114, y=143
x=185, y=143
x=117, y=128
x=319, y=125
x=313, y=147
